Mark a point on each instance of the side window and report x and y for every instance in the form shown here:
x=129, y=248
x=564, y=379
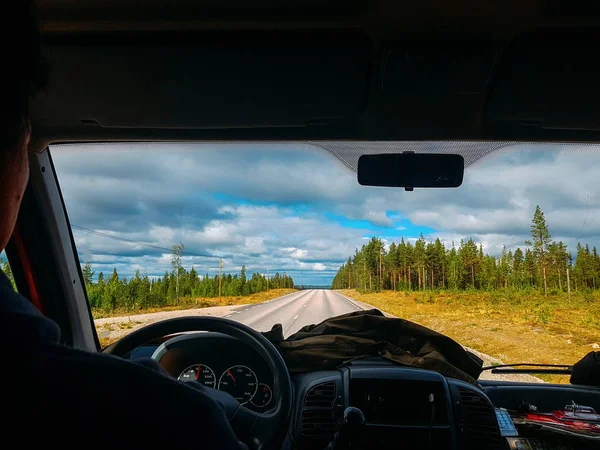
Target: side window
x=5, y=267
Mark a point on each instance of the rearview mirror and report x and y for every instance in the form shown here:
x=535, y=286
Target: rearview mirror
x=410, y=170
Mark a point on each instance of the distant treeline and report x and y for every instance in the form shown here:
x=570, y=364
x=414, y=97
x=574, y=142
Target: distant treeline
x=140, y=291
x=544, y=265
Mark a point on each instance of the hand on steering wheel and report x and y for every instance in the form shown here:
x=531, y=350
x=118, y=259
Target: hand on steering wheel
x=262, y=430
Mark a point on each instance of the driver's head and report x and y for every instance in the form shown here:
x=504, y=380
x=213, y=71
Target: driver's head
x=23, y=75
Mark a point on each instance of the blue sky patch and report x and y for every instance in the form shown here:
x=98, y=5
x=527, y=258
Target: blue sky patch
x=400, y=227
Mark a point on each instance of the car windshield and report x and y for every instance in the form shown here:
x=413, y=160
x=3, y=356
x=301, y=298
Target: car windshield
x=265, y=233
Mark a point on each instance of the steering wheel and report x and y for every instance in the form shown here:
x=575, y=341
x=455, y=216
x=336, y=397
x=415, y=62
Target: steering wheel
x=263, y=430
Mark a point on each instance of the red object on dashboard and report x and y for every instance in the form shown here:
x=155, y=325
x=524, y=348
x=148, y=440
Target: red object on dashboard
x=563, y=420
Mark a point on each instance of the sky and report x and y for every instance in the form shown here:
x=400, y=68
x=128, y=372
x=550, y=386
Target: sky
x=296, y=208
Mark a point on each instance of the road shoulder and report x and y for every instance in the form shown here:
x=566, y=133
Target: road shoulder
x=113, y=328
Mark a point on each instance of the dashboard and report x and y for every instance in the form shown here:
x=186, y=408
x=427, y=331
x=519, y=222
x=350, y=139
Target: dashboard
x=411, y=408
x=402, y=407
x=217, y=361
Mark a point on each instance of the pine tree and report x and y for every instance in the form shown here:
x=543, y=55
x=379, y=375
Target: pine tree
x=110, y=295
x=172, y=292
x=419, y=259
x=558, y=258
x=410, y=266
x=583, y=270
x=193, y=276
x=176, y=252
x=454, y=268
x=469, y=255
x=595, y=266
x=87, y=273
x=504, y=267
x=540, y=240
x=441, y=263
x=391, y=265
x=518, y=268
x=244, y=286
x=531, y=268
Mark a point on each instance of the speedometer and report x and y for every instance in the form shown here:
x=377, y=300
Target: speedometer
x=200, y=373
x=240, y=382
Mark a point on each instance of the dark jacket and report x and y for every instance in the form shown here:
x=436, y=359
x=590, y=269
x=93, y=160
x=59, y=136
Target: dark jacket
x=365, y=333
x=56, y=395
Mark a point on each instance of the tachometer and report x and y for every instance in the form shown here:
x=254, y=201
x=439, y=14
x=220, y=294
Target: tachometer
x=263, y=396
x=200, y=373
x=240, y=382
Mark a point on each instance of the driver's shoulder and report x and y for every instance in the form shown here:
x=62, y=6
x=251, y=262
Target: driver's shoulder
x=106, y=377
x=109, y=366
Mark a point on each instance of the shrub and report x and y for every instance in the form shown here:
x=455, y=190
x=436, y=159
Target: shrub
x=543, y=314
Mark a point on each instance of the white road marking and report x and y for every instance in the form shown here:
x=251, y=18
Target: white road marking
x=295, y=317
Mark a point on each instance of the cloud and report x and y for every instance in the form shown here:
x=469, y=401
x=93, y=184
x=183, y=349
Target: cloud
x=298, y=209
x=297, y=252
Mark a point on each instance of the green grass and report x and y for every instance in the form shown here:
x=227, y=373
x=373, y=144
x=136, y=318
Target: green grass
x=512, y=326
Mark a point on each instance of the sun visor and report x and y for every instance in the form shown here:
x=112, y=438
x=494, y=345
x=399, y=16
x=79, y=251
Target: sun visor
x=204, y=81
x=429, y=86
x=434, y=68
x=548, y=80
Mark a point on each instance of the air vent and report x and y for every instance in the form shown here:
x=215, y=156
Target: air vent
x=318, y=418
x=318, y=424
x=479, y=424
x=321, y=396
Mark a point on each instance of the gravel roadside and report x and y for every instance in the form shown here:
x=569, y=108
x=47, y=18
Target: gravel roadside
x=116, y=327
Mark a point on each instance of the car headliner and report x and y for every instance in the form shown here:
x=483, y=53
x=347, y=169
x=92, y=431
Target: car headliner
x=312, y=70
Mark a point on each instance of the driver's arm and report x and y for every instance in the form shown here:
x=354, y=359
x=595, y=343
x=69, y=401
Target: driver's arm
x=131, y=405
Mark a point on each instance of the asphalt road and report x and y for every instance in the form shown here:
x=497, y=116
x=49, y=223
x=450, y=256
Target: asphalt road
x=295, y=310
